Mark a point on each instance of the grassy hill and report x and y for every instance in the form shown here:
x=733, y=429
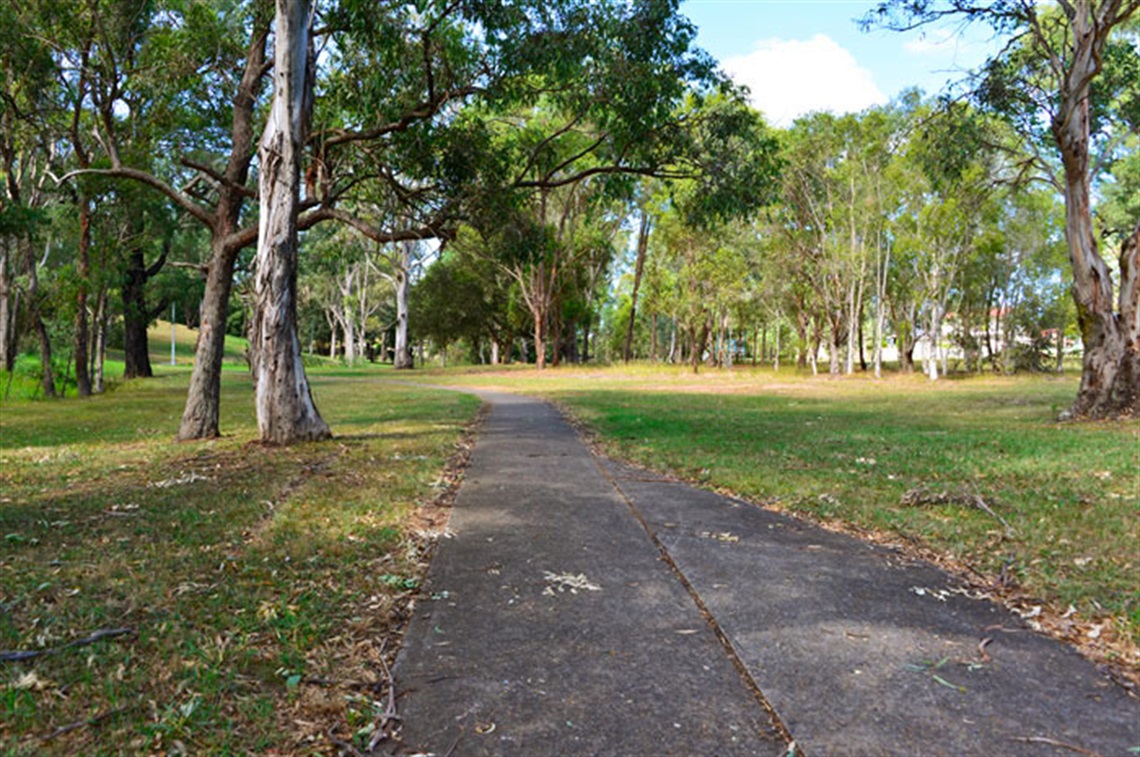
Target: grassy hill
x=158, y=336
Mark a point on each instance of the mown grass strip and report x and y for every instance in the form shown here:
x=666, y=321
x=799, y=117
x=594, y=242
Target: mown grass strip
x=261, y=585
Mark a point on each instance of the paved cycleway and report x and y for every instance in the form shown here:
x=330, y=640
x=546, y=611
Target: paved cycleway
x=583, y=607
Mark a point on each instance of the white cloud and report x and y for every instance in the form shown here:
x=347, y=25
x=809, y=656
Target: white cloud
x=789, y=78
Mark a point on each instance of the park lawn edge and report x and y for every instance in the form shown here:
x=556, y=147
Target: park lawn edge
x=1117, y=655
x=1108, y=638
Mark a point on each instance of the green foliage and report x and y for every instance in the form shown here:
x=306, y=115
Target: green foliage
x=462, y=297
x=1120, y=210
x=734, y=157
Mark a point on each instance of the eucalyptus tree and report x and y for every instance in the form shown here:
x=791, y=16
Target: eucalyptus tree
x=611, y=72
x=1068, y=82
x=391, y=96
x=817, y=209
x=468, y=297
x=948, y=206
x=27, y=156
x=645, y=215
x=707, y=269
x=190, y=75
x=346, y=277
x=542, y=246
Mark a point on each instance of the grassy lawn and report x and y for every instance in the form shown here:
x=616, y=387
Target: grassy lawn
x=255, y=588
x=902, y=460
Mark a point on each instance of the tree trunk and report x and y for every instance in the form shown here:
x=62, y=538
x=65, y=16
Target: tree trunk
x=1060, y=366
x=99, y=351
x=403, y=358
x=200, y=417
x=556, y=336
x=935, y=341
x=672, y=340
x=539, y=340
x=776, y=355
x=7, y=311
x=803, y=338
x=1110, y=373
x=833, y=348
x=586, y=329
x=862, y=345
x=653, y=338
x=83, y=273
x=816, y=340
x=47, y=372
x=880, y=312
x=642, y=248
x=136, y=314
x=349, y=327
x=285, y=409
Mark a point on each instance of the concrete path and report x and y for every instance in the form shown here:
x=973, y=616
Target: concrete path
x=583, y=607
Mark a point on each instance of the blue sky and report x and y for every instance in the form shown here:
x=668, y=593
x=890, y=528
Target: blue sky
x=802, y=55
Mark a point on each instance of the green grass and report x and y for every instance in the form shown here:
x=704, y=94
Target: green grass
x=258, y=582
x=847, y=451
x=185, y=341
x=24, y=382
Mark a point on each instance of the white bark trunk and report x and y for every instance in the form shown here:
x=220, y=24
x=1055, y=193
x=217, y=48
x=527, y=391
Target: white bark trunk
x=403, y=359
x=285, y=409
x=880, y=309
x=776, y=359
x=935, y=341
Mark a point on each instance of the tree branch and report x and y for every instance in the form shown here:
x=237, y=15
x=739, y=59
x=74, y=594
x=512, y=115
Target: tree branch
x=217, y=176
x=602, y=170
x=422, y=112
x=374, y=233
x=123, y=172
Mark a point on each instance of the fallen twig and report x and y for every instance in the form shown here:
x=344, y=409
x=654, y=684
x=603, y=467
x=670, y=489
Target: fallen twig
x=386, y=720
x=981, y=505
x=1054, y=742
x=920, y=496
x=29, y=654
x=345, y=747
x=94, y=720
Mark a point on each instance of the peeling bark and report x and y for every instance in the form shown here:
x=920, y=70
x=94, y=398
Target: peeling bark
x=285, y=409
x=1110, y=374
